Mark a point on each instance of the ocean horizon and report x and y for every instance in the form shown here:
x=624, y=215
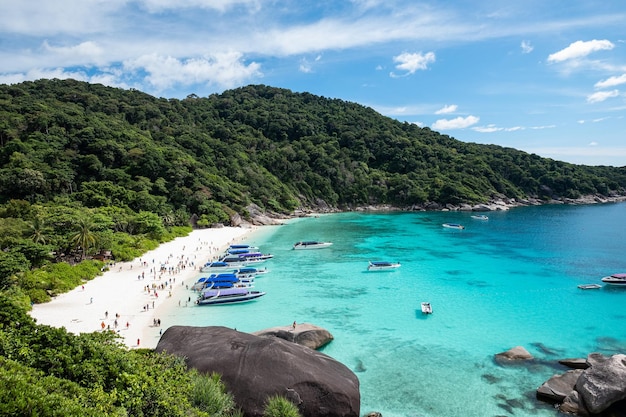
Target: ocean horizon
x=511, y=280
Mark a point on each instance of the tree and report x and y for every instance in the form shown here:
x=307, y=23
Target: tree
x=84, y=238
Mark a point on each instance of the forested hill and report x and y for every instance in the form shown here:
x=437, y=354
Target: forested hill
x=101, y=146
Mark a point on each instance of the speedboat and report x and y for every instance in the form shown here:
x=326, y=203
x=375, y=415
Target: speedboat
x=216, y=266
x=480, y=217
x=382, y=266
x=615, y=279
x=453, y=226
x=311, y=244
x=427, y=308
x=228, y=296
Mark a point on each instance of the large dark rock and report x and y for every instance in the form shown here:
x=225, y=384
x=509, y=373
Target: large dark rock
x=598, y=390
x=603, y=384
x=305, y=334
x=557, y=388
x=255, y=368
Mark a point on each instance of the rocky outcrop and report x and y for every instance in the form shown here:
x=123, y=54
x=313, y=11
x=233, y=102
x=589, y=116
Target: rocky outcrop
x=557, y=388
x=603, y=384
x=599, y=389
x=254, y=368
x=304, y=334
x=518, y=353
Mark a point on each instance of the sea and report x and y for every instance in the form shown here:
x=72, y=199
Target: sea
x=508, y=281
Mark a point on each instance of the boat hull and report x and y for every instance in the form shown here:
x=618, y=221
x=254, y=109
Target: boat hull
x=453, y=226
x=618, y=280
x=311, y=245
x=383, y=266
x=231, y=299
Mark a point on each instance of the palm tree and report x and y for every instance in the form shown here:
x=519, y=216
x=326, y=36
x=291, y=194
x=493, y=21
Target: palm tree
x=84, y=238
x=38, y=230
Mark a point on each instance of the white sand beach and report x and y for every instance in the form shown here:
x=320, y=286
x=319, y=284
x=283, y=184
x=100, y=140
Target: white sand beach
x=127, y=298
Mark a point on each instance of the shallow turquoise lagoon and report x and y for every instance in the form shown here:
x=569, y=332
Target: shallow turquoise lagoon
x=507, y=281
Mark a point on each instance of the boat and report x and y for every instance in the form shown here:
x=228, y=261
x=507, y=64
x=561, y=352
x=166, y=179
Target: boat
x=615, y=279
x=382, y=266
x=250, y=270
x=589, y=286
x=427, y=308
x=453, y=226
x=240, y=246
x=225, y=280
x=311, y=244
x=228, y=296
x=216, y=266
x=480, y=217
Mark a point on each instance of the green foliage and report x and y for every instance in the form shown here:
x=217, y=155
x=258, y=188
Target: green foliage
x=53, y=279
x=209, y=394
x=278, y=406
x=47, y=371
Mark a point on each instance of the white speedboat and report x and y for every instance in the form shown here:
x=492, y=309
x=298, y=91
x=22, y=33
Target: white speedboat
x=216, y=266
x=453, y=226
x=480, y=217
x=427, y=308
x=615, y=279
x=228, y=296
x=311, y=244
x=382, y=266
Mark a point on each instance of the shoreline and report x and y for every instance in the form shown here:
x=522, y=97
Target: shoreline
x=130, y=297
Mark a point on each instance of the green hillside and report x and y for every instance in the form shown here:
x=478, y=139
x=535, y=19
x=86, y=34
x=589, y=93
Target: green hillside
x=257, y=144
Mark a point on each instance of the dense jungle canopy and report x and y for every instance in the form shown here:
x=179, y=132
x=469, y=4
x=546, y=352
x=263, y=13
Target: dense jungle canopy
x=212, y=156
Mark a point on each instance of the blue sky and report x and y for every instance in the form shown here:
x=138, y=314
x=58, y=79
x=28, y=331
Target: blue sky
x=543, y=76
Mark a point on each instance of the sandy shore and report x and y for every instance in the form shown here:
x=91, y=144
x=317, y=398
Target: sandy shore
x=127, y=298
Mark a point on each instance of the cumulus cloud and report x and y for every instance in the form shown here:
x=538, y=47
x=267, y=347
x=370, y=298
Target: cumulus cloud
x=225, y=70
x=456, y=123
x=84, y=51
x=447, y=109
x=611, y=81
x=526, y=47
x=411, y=62
x=580, y=49
x=601, y=96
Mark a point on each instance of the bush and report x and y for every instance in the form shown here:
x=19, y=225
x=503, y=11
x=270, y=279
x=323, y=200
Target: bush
x=278, y=406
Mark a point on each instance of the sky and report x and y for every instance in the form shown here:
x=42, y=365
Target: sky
x=543, y=76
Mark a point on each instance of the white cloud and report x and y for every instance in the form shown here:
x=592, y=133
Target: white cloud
x=594, y=143
x=410, y=63
x=225, y=70
x=611, y=81
x=526, y=47
x=601, y=96
x=487, y=129
x=157, y=6
x=447, y=109
x=87, y=51
x=456, y=123
x=491, y=128
x=580, y=49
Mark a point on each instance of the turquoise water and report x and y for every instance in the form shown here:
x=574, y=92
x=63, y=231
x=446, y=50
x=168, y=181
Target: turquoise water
x=508, y=281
